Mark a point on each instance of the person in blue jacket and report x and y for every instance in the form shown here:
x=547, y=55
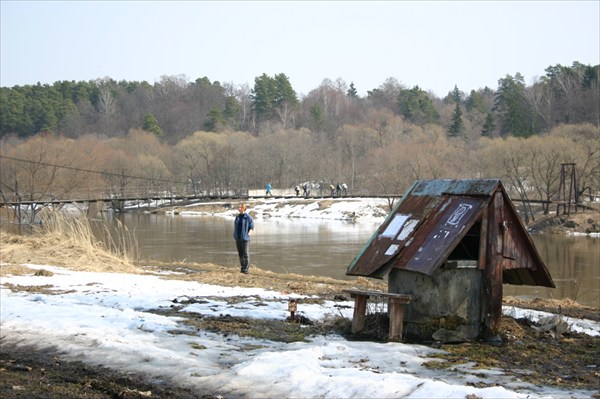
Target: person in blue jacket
x=269, y=189
x=241, y=234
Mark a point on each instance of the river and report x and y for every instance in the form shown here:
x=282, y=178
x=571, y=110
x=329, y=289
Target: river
x=317, y=247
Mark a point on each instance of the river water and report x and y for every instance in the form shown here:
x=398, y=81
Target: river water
x=317, y=247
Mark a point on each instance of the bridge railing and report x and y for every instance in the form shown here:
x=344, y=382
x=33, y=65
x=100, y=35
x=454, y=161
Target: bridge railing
x=107, y=196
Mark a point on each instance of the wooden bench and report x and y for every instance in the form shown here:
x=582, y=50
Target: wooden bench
x=396, y=304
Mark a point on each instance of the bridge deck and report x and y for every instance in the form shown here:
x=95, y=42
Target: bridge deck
x=206, y=198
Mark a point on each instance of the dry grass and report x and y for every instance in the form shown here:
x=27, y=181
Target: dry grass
x=68, y=241
x=209, y=273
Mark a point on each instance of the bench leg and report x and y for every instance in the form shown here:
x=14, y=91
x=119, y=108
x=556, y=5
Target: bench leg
x=396, y=315
x=360, y=311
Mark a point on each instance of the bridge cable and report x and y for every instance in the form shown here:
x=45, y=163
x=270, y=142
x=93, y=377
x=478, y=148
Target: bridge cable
x=92, y=171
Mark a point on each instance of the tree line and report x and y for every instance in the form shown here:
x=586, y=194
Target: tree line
x=109, y=138
x=174, y=108
x=49, y=166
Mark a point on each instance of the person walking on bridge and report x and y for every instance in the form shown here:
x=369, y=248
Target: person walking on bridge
x=344, y=189
x=241, y=234
x=269, y=190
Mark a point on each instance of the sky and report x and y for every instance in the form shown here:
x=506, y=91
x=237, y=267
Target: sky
x=103, y=318
x=436, y=45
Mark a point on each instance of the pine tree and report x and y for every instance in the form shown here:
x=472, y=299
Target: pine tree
x=516, y=115
x=456, y=95
x=456, y=127
x=150, y=124
x=317, y=115
x=263, y=96
x=214, y=121
x=270, y=94
x=232, y=110
x=416, y=106
x=488, y=125
x=352, y=92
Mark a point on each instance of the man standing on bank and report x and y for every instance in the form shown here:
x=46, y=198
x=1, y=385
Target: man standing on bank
x=241, y=234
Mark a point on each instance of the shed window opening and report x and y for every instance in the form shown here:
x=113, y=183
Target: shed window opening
x=468, y=247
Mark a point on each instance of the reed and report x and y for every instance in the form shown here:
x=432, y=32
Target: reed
x=116, y=242
x=70, y=240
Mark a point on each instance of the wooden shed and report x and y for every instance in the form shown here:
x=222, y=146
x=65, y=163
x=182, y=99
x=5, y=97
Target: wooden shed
x=450, y=245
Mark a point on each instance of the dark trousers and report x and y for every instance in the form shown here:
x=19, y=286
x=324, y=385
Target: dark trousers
x=242, y=248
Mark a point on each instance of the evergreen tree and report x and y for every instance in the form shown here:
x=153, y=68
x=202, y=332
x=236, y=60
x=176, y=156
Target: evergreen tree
x=232, y=110
x=516, y=116
x=203, y=82
x=456, y=95
x=591, y=77
x=262, y=96
x=318, y=117
x=352, y=92
x=456, y=127
x=416, y=106
x=475, y=102
x=488, y=125
x=150, y=124
x=284, y=93
x=12, y=111
x=214, y=121
x=271, y=95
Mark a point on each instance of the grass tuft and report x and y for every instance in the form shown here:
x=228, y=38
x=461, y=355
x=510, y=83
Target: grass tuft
x=69, y=241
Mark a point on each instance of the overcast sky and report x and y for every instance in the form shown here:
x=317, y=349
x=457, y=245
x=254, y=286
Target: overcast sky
x=433, y=44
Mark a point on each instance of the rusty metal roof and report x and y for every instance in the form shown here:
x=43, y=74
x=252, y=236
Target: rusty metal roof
x=440, y=230
x=429, y=223
x=434, y=188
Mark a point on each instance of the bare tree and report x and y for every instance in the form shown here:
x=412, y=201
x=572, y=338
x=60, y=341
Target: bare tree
x=43, y=168
x=390, y=169
x=547, y=154
x=204, y=153
x=331, y=103
x=171, y=86
x=354, y=143
x=541, y=98
x=513, y=156
x=586, y=146
x=379, y=119
x=245, y=101
x=107, y=107
x=285, y=113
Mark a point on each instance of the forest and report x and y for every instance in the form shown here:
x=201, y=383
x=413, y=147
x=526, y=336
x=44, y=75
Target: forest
x=103, y=137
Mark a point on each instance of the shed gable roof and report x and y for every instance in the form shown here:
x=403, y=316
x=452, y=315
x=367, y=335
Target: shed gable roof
x=430, y=221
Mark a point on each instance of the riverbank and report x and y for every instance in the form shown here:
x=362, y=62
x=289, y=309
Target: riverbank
x=583, y=222
x=340, y=208
x=97, y=328
x=580, y=223
x=102, y=328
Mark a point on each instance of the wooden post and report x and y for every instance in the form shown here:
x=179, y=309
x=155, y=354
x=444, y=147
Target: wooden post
x=492, y=275
x=360, y=311
x=396, y=304
x=396, y=315
x=18, y=202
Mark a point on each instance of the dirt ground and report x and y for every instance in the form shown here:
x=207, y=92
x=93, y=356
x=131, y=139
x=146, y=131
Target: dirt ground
x=27, y=372
x=569, y=361
x=583, y=222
